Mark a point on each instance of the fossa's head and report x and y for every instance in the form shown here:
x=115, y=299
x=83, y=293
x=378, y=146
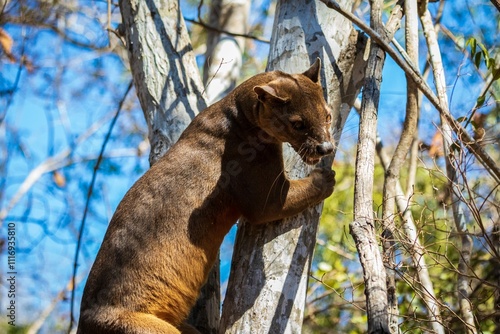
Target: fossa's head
x=293, y=110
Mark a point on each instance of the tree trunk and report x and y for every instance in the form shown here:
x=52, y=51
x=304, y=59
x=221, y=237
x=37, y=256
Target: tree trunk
x=267, y=287
x=165, y=75
x=169, y=88
x=396, y=193
x=363, y=227
x=224, y=55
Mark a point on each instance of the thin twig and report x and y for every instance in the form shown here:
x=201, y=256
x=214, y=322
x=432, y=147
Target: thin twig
x=412, y=244
x=207, y=26
x=496, y=3
x=89, y=195
x=213, y=76
x=15, y=86
x=380, y=296
x=393, y=169
x=60, y=32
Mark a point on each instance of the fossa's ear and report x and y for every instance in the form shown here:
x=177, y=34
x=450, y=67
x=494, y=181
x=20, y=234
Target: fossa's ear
x=313, y=72
x=267, y=94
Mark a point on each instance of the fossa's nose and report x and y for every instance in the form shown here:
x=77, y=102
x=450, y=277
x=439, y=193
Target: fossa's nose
x=324, y=148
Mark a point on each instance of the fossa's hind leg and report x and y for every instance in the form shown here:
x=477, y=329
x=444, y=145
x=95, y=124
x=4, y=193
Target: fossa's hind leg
x=131, y=323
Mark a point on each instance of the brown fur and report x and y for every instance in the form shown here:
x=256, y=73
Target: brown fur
x=164, y=236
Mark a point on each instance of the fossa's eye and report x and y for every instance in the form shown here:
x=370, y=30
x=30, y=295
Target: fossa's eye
x=297, y=123
x=328, y=118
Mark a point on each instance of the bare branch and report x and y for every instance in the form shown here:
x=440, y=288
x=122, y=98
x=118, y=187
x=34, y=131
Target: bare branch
x=35, y=326
x=222, y=31
x=394, y=168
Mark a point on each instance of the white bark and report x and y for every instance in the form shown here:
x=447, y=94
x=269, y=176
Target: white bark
x=225, y=52
x=451, y=171
x=268, y=282
x=411, y=242
x=391, y=181
x=164, y=69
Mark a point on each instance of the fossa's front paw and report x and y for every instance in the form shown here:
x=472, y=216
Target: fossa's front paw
x=324, y=180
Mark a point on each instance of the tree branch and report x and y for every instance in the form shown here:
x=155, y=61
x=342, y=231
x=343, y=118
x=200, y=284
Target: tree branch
x=49, y=165
x=222, y=31
x=396, y=163
x=35, y=326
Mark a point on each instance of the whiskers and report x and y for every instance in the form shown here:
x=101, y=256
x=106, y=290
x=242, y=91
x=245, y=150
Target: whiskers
x=294, y=164
x=272, y=187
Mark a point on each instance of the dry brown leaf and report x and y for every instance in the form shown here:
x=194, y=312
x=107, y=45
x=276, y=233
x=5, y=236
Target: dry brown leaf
x=436, y=147
x=6, y=43
x=59, y=179
x=479, y=120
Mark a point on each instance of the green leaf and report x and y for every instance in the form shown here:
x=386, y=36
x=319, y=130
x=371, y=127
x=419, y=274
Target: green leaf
x=496, y=73
x=480, y=101
x=485, y=51
x=472, y=42
x=490, y=63
x=477, y=59
x=461, y=119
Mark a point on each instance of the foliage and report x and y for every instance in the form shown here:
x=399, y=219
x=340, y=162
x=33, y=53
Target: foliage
x=336, y=295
